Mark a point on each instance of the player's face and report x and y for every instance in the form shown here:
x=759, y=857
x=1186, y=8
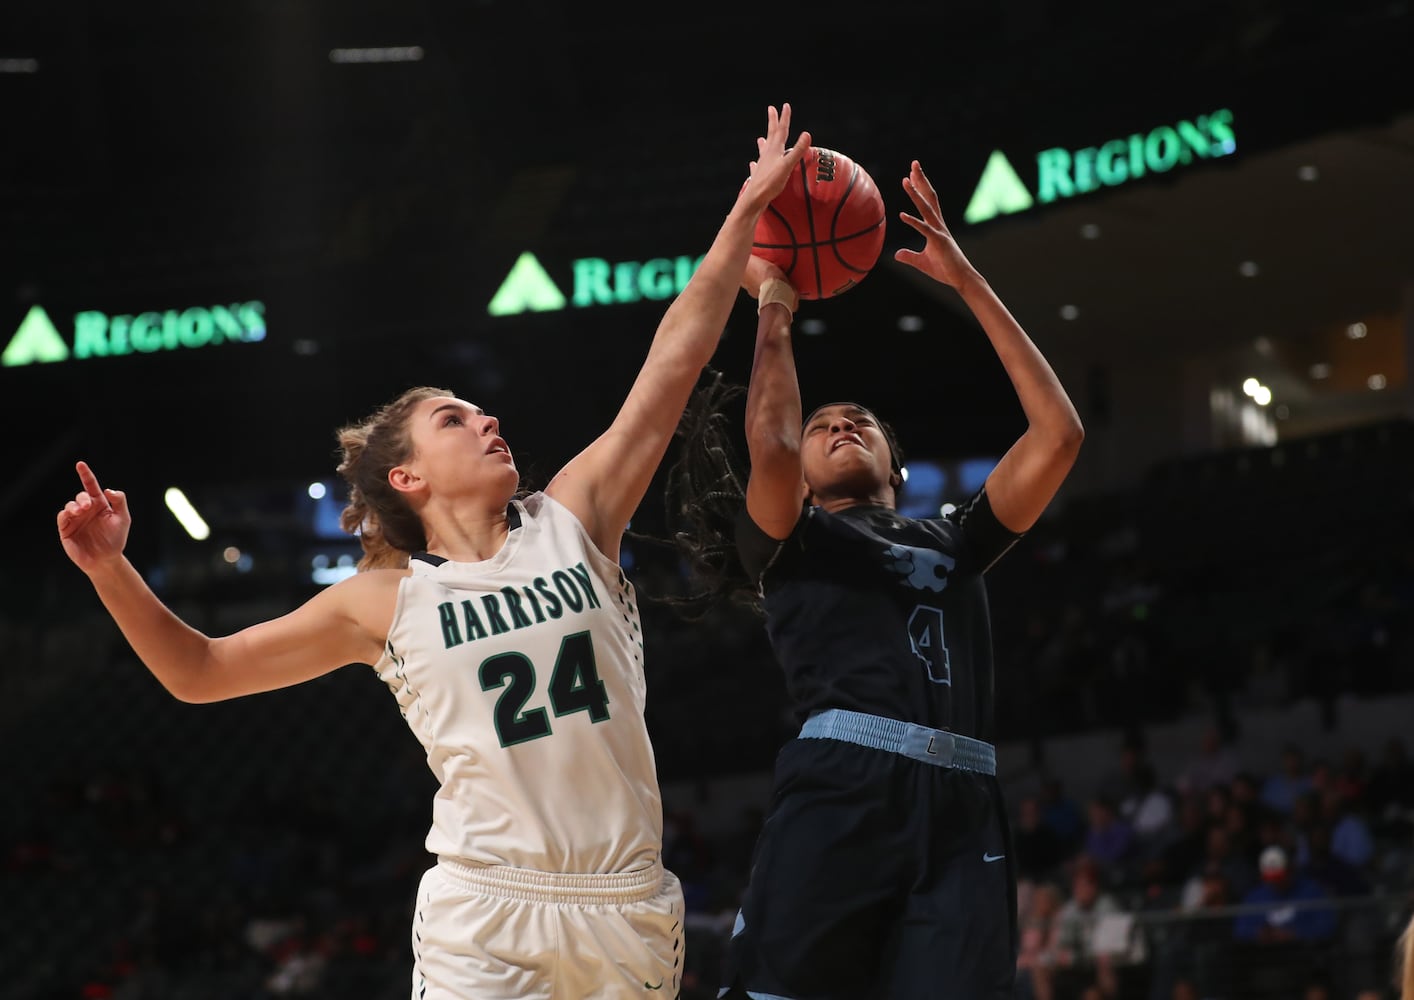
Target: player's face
x=458, y=450
x=843, y=451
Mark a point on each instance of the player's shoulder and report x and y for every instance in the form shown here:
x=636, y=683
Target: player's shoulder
x=536, y=502
x=541, y=507
x=367, y=600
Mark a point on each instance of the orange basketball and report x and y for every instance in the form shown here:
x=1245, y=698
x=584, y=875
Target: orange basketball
x=826, y=229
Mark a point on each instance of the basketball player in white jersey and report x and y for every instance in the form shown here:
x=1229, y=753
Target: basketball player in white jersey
x=511, y=641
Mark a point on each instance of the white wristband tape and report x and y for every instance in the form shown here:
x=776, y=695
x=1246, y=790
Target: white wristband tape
x=776, y=290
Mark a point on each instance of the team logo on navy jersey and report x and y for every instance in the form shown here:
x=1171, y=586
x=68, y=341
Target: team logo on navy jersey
x=921, y=569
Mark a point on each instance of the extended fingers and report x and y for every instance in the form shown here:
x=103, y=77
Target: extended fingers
x=777, y=125
x=773, y=132
x=923, y=227
x=925, y=202
x=89, y=480
x=920, y=179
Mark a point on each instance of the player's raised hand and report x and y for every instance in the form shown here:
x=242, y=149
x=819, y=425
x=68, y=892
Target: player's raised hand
x=774, y=161
x=93, y=526
x=941, y=258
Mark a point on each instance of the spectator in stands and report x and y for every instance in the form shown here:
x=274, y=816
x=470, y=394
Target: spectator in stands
x=1182, y=846
x=1121, y=783
x=1245, y=793
x=1037, y=954
x=1039, y=851
x=1353, y=779
x=1061, y=814
x=1322, y=777
x=1336, y=876
x=1351, y=840
x=1215, y=763
x=1076, y=925
x=1278, y=923
x=1281, y=790
x=1237, y=871
x=1108, y=838
x=1216, y=802
x=1305, y=817
x=1197, y=951
x=1147, y=809
x=1241, y=832
x=1157, y=887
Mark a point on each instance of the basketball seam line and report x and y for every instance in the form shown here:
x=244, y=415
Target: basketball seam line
x=810, y=224
x=821, y=243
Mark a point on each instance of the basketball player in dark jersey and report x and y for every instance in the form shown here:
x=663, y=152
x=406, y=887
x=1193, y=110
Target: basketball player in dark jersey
x=883, y=868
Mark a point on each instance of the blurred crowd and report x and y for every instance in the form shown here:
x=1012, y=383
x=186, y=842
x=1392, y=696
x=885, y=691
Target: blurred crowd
x=271, y=846
x=1214, y=881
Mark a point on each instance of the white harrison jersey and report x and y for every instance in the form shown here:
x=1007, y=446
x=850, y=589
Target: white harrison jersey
x=522, y=675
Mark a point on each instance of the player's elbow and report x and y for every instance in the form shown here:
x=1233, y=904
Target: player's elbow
x=195, y=682
x=1066, y=437
x=190, y=691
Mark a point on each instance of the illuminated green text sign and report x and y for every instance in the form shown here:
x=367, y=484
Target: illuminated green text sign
x=99, y=335
x=593, y=281
x=1064, y=173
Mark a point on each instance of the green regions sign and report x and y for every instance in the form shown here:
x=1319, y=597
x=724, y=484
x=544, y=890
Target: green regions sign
x=593, y=281
x=1065, y=173
x=99, y=335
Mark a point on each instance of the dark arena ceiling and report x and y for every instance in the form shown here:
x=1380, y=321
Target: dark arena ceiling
x=160, y=156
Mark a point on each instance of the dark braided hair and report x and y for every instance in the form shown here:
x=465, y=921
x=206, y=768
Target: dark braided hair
x=706, y=489
x=706, y=492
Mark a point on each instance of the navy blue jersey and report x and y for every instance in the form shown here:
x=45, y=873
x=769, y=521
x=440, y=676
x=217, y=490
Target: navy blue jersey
x=875, y=612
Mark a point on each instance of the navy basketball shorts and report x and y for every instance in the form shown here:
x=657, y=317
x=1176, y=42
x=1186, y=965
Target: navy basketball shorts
x=876, y=876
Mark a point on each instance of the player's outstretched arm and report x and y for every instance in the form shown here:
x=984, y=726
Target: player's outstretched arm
x=1030, y=473
x=340, y=625
x=605, y=483
x=775, y=489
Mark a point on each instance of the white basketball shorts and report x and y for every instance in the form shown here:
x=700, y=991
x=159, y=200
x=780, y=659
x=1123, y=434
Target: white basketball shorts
x=485, y=932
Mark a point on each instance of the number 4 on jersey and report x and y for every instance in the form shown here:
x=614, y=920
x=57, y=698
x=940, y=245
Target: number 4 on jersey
x=925, y=635
x=574, y=687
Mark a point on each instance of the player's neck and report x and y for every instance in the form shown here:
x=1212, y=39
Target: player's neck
x=835, y=504
x=466, y=534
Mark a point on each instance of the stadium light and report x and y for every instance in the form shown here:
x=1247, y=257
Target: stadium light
x=186, y=514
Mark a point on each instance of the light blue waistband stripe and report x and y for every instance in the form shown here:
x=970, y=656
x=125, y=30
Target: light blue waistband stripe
x=931, y=746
